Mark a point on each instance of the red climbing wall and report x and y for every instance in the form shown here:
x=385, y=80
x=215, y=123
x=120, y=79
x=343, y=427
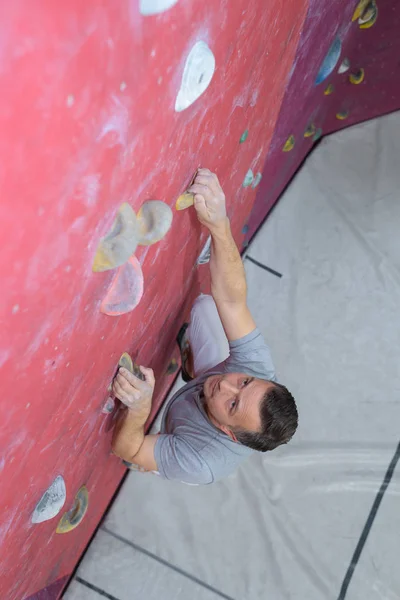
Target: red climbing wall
x=89, y=121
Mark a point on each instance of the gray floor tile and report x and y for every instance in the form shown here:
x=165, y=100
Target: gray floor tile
x=128, y=574
x=374, y=575
x=78, y=591
x=356, y=173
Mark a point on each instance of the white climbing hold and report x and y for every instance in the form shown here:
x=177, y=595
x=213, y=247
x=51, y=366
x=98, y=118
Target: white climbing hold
x=51, y=502
x=197, y=74
x=205, y=254
x=153, y=7
x=344, y=66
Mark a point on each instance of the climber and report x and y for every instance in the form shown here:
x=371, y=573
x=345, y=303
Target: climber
x=232, y=404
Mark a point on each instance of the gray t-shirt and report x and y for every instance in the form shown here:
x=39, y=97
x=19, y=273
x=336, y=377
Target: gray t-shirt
x=190, y=448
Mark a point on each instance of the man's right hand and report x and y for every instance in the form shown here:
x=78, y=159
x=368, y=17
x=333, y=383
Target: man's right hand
x=135, y=393
x=209, y=199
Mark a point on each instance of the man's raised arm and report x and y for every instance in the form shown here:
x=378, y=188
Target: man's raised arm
x=228, y=280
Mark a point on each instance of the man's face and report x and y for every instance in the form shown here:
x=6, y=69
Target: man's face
x=233, y=401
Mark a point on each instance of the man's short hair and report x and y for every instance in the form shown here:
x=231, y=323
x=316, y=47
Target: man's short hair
x=279, y=419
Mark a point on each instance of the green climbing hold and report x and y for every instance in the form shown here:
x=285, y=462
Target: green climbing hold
x=244, y=136
x=256, y=180
x=317, y=135
x=249, y=178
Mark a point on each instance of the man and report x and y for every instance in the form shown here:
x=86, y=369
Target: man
x=233, y=405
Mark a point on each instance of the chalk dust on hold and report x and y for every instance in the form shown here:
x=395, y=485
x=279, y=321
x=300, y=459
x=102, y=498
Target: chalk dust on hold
x=119, y=243
x=51, y=502
x=153, y=7
x=154, y=220
x=197, y=74
x=126, y=289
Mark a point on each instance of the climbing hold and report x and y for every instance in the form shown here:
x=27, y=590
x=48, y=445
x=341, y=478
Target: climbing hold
x=366, y=13
x=245, y=229
x=248, y=179
x=137, y=372
x=205, y=254
x=342, y=115
x=357, y=77
x=289, y=144
x=317, y=135
x=126, y=289
x=126, y=362
x=197, y=74
x=172, y=367
x=344, y=66
x=73, y=517
x=184, y=201
x=310, y=131
x=51, y=502
x=330, y=61
x=369, y=16
x=256, y=181
x=154, y=221
x=360, y=8
x=329, y=90
x=154, y=7
x=120, y=243
x=108, y=406
x=244, y=136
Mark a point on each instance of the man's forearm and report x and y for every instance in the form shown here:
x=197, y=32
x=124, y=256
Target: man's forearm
x=228, y=279
x=128, y=436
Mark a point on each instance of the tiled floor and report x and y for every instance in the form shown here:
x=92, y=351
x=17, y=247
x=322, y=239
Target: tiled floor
x=287, y=524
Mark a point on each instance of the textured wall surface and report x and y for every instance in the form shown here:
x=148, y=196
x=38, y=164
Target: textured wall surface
x=89, y=121
x=107, y=103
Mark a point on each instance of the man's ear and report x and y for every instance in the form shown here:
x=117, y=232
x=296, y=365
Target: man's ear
x=228, y=432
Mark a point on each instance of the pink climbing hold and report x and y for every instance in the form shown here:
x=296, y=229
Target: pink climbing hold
x=126, y=289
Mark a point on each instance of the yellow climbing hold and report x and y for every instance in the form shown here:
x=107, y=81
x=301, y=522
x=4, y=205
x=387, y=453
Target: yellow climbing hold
x=342, y=115
x=73, y=517
x=184, y=201
x=369, y=17
x=120, y=242
x=329, y=90
x=310, y=131
x=357, y=77
x=289, y=144
x=366, y=13
x=126, y=362
x=361, y=6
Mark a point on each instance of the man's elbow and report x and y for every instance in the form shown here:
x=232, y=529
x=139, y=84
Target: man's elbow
x=122, y=452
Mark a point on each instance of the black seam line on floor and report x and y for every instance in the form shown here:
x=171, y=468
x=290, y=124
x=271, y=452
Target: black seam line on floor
x=272, y=271
x=95, y=589
x=167, y=564
x=368, y=524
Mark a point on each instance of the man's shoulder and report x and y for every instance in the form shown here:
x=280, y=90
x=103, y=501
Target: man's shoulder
x=185, y=413
x=252, y=355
